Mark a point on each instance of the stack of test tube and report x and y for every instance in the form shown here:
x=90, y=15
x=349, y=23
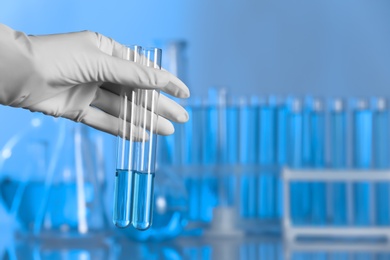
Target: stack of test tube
x=232, y=151
x=136, y=155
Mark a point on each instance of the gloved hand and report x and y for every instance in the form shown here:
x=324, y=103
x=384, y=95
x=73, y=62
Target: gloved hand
x=77, y=76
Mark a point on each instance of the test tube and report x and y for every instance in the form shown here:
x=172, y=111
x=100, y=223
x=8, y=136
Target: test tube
x=232, y=153
x=267, y=158
x=338, y=159
x=381, y=138
x=194, y=136
x=123, y=195
x=294, y=156
x=317, y=142
x=248, y=155
x=208, y=185
x=143, y=169
x=362, y=159
x=281, y=149
x=227, y=143
x=307, y=152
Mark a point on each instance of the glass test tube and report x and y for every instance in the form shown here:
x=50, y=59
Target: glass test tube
x=381, y=136
x=247, y=155
x=294, y=156
x=226, y=141
x=195, y=145
x=145, y=147
x=232, y=140
x=281, y=148
x=317, y=142
x=123, y=194
x=267, y=158
x=362, y=159
x=338, y=159
x=208, y=185
x=306, y=187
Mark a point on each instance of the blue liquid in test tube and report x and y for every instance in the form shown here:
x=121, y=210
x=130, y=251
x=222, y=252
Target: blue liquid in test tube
x=145, y=148
x=267, y=158
x=123, y=198
x=294, y=157
x=281, y=150
x=209, y=156
x=247, y=155
x=338, y=157
x=123, y=193
x=196, y=113
x=381, y=159
x=318, y=190
x=143, y=199
x=144, y=160
x=362, y=159
x=229, y=151
x=306, y=198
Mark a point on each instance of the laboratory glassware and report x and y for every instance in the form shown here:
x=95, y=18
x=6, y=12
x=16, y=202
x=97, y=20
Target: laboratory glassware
x=56, y=193
x=338, y=159
x=69, y=199
x=21, y=183
x=193, y=179
x=227, y=153
x=362, y=159
x=317, y=148
x=306, y=198
x=248, y=116
x=294, y=156
x=143, y=167
x=281, y=147
x=267, y=196
x=175, y=59
x=170, y=209
x=381, y=136
x=127, y=129
x=229, y=149
x=210, y=153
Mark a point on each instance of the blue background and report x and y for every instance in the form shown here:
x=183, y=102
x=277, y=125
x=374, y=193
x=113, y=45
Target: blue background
x=336, y=48
x=327, y=48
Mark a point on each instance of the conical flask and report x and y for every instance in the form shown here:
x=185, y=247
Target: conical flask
x=72, y=194
x=23, y=167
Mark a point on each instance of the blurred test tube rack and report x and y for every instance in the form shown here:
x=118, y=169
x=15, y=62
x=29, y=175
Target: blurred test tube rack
x=329, y=230
x=232, y=152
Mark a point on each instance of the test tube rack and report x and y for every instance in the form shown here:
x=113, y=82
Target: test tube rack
x=293, y=232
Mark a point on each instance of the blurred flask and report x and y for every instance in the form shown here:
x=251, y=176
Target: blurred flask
x=362, y=159
x=183, y=149
x=62, y=199
x=175, y=59
x=172, y=148
x=381, y=137
x=23, y=165
x=338, y=159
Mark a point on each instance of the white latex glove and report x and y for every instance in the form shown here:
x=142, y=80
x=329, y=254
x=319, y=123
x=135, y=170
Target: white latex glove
x=76, y=76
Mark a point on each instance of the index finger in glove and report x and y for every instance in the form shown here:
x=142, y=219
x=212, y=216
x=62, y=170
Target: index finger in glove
x=127, y=73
